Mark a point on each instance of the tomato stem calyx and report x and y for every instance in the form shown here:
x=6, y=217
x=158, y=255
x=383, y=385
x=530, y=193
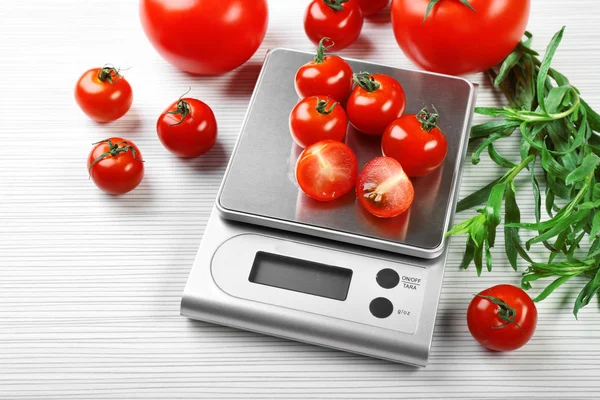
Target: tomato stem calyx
x=114, y=150
x=183, y=109
x=366, y=81
x=505, y=312
x=335, y=5
x=107, y=73
x=432, y=4
x=321, y=49
x=428, y=120
x=322, y=106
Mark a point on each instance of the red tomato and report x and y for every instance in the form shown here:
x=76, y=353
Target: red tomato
x=317, y=118
x=375, y=102
x=326, y=75
x=416, y=143
x=187, y=128
x=340, y=20
x=205, y=37
x=116, y=165
x=383, y=188
x=502, y=318
x=482, y=39
x=326, y=170
x=103, y=94
x=370, y=7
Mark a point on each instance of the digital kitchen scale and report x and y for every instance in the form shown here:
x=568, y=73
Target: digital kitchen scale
x=274, y=261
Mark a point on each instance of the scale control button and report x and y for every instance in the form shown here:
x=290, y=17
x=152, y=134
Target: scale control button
x=388, y=278
x=381, y=307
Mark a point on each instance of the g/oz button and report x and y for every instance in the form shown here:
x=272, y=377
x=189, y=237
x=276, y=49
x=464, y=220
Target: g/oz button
x=388, y=278
x=381, y=307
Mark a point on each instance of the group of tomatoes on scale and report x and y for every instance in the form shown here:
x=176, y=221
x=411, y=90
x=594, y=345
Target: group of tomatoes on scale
x=412, y=145
x=187, y=128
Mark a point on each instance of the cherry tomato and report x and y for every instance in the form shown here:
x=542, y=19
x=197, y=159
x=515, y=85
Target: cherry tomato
x=375, y=102
x=416, y=142
x=116, y=165
x=205, y=37
x=370, y=7
x=317, y=118
x=340, y=20
x=187, y=128
x=502, y=318
x=486, y=34
x=326, y=170
x=326, y=75
x=103, y=94
x=383, y=188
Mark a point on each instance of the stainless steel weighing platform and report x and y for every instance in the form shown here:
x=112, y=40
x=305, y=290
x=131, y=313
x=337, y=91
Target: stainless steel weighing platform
x=274, y=261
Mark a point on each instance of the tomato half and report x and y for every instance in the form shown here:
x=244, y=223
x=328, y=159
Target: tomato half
x=116, y=165
x=370, y=7
x=416, y=142
x=326, y=170
x=326, y=75
x=187, y=128
x=502, y=318
x=103, y=94
x=455, y=39
x=383, y=188
x=375, y=102
x=205, y=37
x=340, y=20
x=317, y=118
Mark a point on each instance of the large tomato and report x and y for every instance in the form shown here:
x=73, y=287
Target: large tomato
x=205, y=37
x=455, y=39
x=502, y=318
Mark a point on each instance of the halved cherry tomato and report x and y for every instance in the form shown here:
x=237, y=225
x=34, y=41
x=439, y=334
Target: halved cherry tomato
x=326, y=75
x=416, y=142
x=103, y=94
x=502, y=318
x=116, y=165
x=370, y=7
x=340, y=20
x=326, y=170
x=187, y=128
x=383, y=188
x=375, y=102
x=317, y=118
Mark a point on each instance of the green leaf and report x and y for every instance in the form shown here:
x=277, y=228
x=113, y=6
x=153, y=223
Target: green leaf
x=491, y=127
x=552, y=287
x=537, y=200
x=561, y=225
x=469, y=251
x=478, y=236
x=555, y=98
x=522, y=251
x=574, y=247
x=549, y=201
x=488, y=257
x=559, y=245
x=589, y=164
x=493, y=210
x=475, y=158
x=512, y=215
x=593, y=117
x=430, y=6
x=545, y=66
x=595, y=226
x=498, y=158
x=492, y=111
x=594, y=249
x=586, y=294
x=552, y=166
x=464, y=227
x=596, y=192
x=508, y=64
x=477, y=198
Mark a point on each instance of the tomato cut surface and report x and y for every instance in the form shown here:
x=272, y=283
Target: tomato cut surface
x=326, y=170
x=383, y=188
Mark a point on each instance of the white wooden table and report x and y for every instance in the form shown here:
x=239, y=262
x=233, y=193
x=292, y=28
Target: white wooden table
x=90, y=284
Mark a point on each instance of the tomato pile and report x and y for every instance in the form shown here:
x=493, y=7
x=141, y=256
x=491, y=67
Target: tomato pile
x=327, y=169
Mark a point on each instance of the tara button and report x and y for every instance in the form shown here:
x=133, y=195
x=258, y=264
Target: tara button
x=388, y=278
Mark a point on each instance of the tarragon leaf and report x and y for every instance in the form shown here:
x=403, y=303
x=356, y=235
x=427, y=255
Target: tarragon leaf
x=543, y=73
x=589, y=164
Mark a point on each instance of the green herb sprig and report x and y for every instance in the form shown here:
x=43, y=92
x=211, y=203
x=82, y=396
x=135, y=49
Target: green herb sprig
x=559, y=133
